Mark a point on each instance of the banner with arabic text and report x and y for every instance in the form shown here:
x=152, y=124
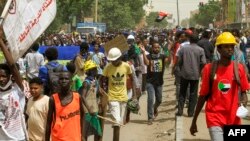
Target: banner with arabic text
x=26, y=20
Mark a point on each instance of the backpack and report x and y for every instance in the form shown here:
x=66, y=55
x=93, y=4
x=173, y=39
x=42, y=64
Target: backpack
x=213, y=69
x=53, y=77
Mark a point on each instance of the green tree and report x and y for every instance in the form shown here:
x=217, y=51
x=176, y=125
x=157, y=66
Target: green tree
x=192, y=21
x=118, y=14
x=136, y=7
x=207, y=13
x=67, y=9
x=2, y=4
x=150, y=20
x=185, y=22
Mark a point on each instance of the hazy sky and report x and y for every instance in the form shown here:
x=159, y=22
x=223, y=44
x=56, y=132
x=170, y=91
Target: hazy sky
x=185, y=6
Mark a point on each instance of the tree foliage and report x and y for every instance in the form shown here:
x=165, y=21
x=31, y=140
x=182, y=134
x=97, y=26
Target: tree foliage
x=121, y=14
x=150, y=20
x=116, y=13
x=67, y=9
x=2, y=3
x=207, y=13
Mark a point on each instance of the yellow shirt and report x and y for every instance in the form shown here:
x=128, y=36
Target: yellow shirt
x=117, y=79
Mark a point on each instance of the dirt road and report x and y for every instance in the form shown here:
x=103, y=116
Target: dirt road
x=166, y=125
x=163, y=128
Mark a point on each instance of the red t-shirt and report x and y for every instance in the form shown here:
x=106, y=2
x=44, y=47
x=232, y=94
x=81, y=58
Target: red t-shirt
x=221, y=107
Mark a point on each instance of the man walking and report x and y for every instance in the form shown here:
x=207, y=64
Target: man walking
x=207, y=45
x=191, y=58
x=156, y=66
x=65, y=113
x=222, y=94
x=34, y=60
x=52, y=65
x=117, y=72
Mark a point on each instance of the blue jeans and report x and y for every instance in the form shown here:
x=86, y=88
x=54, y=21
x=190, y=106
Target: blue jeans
x=153, y=92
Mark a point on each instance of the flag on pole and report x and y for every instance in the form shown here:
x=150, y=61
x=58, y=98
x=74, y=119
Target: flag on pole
x=161, y=16
x=25, y=21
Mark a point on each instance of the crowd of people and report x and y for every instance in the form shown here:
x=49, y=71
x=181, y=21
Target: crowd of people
x=69, y=102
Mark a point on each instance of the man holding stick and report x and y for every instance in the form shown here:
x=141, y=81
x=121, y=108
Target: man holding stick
x=116, y=72
x=12, y=99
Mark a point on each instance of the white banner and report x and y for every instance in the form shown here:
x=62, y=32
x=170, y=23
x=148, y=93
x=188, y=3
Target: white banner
x=26, y=20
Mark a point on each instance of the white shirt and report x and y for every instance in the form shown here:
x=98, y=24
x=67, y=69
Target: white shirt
x=143, y=66
x=97, y=58
x=244, y=39
x=11, y=114
x=182, y=44
x=34, y=61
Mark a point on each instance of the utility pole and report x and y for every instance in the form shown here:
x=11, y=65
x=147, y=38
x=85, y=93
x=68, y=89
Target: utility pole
x=96, y=10
x=246, y=13
x=178, y=15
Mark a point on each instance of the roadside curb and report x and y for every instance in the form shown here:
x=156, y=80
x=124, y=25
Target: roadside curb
x=179, y=128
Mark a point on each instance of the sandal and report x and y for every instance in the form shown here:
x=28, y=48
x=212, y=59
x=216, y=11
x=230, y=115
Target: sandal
x=150, y=121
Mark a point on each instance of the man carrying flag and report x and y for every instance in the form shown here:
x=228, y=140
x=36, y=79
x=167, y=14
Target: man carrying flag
x=23, y=22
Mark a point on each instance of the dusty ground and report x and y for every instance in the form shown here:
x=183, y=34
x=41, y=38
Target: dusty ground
x=163, y=128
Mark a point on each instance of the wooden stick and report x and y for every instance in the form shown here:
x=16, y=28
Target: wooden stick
x=109, y=120
x=105, y=94
x=7, y=54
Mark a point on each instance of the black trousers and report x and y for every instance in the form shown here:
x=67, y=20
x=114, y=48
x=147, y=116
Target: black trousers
x=192, y=95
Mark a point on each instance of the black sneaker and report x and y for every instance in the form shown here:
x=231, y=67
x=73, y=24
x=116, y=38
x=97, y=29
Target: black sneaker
x=178, y=114
x=190, y=115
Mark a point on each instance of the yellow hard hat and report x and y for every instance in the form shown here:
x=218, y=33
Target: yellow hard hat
x=89, y=65
x=225, y=38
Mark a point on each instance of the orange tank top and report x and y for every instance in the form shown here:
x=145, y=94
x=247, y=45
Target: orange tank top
x=66, y=126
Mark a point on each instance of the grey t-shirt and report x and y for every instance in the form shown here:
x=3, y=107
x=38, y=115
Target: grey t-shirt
x=191, y=58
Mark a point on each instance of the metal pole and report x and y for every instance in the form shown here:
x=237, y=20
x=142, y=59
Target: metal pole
x=178, y=15
x=96, y=9
x=246, y=13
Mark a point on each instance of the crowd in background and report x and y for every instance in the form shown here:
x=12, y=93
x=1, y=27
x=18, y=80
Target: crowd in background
x=122, y=76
